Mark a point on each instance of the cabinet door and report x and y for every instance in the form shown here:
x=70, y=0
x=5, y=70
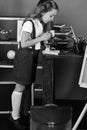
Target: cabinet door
x=67, y=73
x=5, y=96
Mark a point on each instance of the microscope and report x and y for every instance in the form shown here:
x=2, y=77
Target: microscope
x=63, y=37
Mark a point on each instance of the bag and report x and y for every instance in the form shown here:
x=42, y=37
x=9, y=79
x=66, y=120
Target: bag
x=50, y=117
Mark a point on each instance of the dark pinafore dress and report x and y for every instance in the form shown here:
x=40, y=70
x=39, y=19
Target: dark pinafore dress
x=25, y=63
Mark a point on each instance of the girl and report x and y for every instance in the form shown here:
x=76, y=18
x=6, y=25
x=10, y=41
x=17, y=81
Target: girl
x=25, y=61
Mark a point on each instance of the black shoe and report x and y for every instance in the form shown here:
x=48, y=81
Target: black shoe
x=17, y=123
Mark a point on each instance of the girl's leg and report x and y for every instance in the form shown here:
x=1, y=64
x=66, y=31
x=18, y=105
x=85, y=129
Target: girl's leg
x=16, y=100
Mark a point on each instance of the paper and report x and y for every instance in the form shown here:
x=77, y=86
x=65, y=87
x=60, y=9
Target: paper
x=50, y=52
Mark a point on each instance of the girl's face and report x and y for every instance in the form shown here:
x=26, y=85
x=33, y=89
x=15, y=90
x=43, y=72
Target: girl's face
x=49, y=16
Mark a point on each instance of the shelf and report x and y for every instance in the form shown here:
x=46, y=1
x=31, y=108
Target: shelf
x=38, y=90
x=12, y=66
x=39, y=67
x=11, y=18
x=6, y=66
x=6, y=74
x=8, y=42
x=7, y=82
x=5, y=112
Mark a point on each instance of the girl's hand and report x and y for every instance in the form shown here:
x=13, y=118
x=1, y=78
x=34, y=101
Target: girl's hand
x=46, y=36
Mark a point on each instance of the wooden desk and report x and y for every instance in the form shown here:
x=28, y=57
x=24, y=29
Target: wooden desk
x=60, y=77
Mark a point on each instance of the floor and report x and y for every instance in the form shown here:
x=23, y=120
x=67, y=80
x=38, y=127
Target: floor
x=77, y=106
x=5, y=124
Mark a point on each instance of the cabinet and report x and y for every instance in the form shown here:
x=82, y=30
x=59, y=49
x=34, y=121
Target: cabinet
x=61, y=76
x=9, y=40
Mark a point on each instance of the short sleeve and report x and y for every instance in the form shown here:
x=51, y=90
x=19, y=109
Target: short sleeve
x=27, y=26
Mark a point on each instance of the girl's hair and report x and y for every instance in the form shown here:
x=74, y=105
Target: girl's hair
x=42, y=7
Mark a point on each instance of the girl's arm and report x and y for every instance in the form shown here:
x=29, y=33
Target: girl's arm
x=27, y=41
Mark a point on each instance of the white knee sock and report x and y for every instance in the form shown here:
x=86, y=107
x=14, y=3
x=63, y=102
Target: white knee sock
x=16, y=102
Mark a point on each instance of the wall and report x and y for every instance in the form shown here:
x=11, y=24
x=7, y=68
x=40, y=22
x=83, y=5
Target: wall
x=72, y=12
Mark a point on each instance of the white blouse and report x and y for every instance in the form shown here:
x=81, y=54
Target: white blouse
x=27, y=26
